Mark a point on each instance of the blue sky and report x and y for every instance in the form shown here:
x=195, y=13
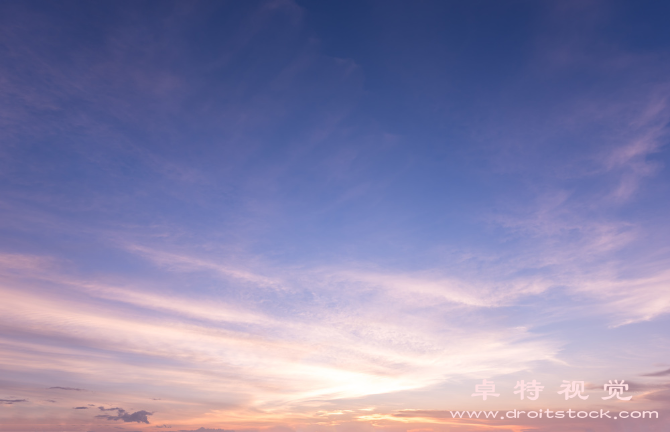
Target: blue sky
x=320, y=216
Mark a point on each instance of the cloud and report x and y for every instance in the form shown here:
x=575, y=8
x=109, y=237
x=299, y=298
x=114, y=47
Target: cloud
x=661, y=396
x=208, y=329
x=138, y=416
x=18, y=262
x=66, y=388
x=647, y=136
x=375, y=344
x=418, y=287
x=202, y=429
x=78, y=408
x=109, y=409
x=658, y=374
x=11, y=401
x=184, y=263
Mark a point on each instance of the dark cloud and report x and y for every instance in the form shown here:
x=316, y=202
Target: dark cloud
x=156, y=399
x=108, y=409
x=49, y=400
x=11, y=401
x=202, y=429
x=164, y=426
x=80, y=408
x=658, y=374
x=91, y=405
x=660, y=396
x=121, y=414
x=640, y=387
x=66, y=388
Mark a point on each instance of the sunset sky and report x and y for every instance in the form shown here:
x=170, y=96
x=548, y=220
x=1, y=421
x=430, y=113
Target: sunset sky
x=332, y=215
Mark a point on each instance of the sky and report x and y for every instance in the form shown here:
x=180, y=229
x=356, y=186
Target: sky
x=333, y=216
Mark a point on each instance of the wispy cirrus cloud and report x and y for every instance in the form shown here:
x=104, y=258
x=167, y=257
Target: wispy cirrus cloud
x=217, y=205
x=658, y=374
x=350, y=354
